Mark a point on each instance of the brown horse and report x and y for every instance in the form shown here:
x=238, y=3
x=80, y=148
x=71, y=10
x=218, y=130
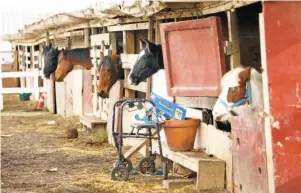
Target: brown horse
x=110, y=70
x=67, y=59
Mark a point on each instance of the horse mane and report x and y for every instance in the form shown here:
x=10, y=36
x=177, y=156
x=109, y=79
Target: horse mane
x=46, y=49
x=78, y=53
x=50, y=61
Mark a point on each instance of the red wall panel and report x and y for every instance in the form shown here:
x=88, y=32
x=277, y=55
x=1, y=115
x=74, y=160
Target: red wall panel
x=283, y=48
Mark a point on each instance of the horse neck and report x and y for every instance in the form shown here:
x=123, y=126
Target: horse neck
x=256, y=88
x=160, y=56
x=84, y=63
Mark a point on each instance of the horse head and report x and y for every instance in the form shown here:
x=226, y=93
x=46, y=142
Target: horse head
x=149, y=61
x=50, y=60
x=64, y=66
x=240, y=86
x=109, y=72
x=67, y=59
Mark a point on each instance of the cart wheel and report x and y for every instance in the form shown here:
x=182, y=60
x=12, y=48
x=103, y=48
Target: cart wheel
x=127, y=163
x=120, y=173
x=165, y=170
x=146, y=165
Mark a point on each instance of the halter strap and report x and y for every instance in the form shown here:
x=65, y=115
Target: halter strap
x=247, y=98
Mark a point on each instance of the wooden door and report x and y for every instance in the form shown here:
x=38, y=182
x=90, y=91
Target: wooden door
x=193, y=56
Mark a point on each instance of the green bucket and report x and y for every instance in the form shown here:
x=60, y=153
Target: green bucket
x=24, y=96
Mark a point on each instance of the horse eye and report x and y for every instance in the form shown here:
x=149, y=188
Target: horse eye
x=232, y=89
x=108, y=70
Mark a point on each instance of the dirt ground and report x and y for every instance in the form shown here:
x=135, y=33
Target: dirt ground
x=30, y=147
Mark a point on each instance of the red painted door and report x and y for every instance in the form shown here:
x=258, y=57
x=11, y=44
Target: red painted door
x=193, y=55
x=282, y=21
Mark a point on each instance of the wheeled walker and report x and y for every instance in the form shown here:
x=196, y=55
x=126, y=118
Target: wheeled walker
x=123, y=166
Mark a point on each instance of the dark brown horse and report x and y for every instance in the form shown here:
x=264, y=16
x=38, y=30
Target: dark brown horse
x=67, y=59
x=110, y=70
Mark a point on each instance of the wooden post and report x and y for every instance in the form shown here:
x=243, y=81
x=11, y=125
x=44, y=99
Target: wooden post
x=157, y=35
x=128, y=48
x=150, y=38
x=52, y=88
x=86, y=37
x=233, y=38
x=47, y=38
x=93, y=30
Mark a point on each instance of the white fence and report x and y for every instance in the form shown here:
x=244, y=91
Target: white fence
x=35, y=89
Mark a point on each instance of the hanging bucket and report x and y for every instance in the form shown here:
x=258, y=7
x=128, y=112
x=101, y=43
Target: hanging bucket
x=180, y=134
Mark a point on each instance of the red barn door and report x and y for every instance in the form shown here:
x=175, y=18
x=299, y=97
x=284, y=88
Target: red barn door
x=193, y=55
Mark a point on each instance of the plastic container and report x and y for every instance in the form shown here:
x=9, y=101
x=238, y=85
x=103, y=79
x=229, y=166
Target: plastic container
x=180, y=134
x=24, y=96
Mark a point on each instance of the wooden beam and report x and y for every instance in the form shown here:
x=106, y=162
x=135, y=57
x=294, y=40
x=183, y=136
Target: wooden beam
x=76, y=33
x=128, y=60
x=128, y=48
x=129, y=27
x=266, y=102
x=139, y=146
x=157, y=34
x=233, y=38
x=47, y=38
x=196, y=102
x=150, y=38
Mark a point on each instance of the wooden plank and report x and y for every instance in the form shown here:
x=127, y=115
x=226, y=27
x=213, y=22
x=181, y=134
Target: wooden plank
x=128, y=60
x=21, y=90
x=128, y=27
x=77, y=91
x=74, y=33
x=115, y=94
x=52, y=94
x=128, y=48
x=196, y=102
x=233, y=38
x=139, y=146
x=20, y=74
x=150, y=38
x=249, y=151
x=86, y=37
x=128, y=42
x=60, y=95
x=97, y=39
x=87, y=92
x=157, y=33
x=210, y=175
x=142, y=87
x=129, y=93
x=69, y=95
x=177, y=183
x=266, y=98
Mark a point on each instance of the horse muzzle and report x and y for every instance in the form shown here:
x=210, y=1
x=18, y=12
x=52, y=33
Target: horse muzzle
x=103, y=94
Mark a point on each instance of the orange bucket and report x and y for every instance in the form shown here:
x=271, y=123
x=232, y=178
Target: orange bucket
x=180, y=134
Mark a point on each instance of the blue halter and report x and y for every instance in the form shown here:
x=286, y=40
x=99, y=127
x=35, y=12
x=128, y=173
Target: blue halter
x=247, y=98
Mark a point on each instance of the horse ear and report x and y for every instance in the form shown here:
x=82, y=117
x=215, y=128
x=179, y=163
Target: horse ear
x=63, y=51
x=142, y=44
x=245, y=74
x=150, y=46
x=102, y=56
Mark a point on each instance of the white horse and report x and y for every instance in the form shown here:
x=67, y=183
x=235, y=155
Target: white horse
x=240, y=86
